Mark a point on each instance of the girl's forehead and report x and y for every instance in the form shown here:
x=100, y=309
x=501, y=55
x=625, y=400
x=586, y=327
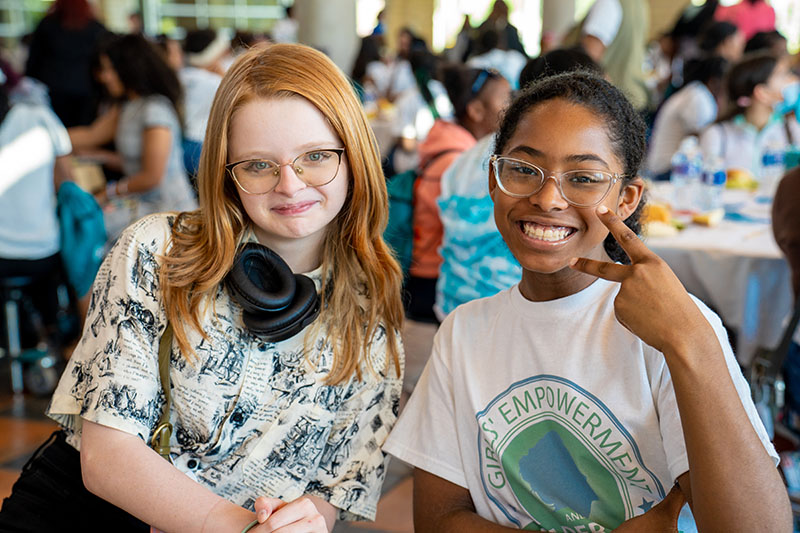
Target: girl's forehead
x=563, y=130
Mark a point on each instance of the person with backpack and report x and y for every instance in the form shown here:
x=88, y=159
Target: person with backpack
x=478, y=97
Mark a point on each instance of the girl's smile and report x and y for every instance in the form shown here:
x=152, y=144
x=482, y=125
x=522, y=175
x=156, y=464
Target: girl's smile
x=545, y=233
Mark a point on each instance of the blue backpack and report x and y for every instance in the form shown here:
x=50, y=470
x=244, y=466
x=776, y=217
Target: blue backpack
x=399, y=233
x=83, y=235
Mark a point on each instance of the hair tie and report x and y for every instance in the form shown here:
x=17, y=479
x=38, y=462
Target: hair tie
x=743, y=101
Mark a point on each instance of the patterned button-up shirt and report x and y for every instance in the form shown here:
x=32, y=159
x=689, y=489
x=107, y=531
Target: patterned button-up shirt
x=250, y=417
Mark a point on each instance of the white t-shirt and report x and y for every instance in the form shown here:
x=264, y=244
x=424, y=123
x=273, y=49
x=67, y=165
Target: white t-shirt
x=414, y=118
x=199, y=86
x=392, y=78
x=685, y=113
x=552, y=414
x=31, y=138
x=603, y=20
x=509, y=63
x=740, y=145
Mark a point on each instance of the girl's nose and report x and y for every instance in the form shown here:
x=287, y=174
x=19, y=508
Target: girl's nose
x=289, y=182
x=549, y=196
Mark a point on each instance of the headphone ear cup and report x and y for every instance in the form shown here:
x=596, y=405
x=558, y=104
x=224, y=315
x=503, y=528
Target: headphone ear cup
x=260, y=279
x=302, y=311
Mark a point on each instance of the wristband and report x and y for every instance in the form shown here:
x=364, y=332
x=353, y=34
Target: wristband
x=250, y=526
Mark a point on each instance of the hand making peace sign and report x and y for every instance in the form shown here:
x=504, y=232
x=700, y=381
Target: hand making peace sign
x=652, y=303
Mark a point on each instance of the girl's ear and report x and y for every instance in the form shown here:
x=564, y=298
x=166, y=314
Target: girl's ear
x=629, y=197
x=764, y=93
x=476, y=110
x=492, y=182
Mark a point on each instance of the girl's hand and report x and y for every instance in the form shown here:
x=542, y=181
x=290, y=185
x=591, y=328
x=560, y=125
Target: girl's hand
x=298, y=516
x=652, y=303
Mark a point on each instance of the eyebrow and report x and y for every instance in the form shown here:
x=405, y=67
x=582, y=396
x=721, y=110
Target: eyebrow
x=573, y=158
x=302, y=149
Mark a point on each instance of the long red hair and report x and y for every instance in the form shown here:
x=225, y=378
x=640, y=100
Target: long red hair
x=355, y=259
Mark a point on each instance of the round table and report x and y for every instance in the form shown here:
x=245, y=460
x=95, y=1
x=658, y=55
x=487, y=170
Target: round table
x=736, y=268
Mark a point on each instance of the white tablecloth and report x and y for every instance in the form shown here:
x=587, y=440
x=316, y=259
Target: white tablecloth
x=737, y=269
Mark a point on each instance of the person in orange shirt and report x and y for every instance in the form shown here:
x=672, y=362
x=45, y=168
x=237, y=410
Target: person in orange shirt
x=478, y=97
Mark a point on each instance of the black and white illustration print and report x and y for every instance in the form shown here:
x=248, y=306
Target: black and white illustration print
x=255, y=418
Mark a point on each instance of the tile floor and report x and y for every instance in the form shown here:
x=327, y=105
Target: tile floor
x=23, y=427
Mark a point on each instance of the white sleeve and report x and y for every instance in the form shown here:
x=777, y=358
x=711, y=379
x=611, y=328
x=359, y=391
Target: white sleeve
x=112, y=377
x=698, y=112
x=711, y=142
x=56, y=131
x=430, y=414
x=603, y=20
x=669, y=418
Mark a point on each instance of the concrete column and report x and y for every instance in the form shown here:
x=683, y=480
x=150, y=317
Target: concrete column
x=416, y=14
x=558, y=17
x=329, y=25
x=664, y=14
x=114, y=13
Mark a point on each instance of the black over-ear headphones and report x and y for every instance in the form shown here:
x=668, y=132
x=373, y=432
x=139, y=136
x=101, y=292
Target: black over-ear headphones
x=277, y=304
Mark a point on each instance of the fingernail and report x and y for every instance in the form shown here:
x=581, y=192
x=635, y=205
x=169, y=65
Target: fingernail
x=262, y=516
x=602, y=210
x=573, y=261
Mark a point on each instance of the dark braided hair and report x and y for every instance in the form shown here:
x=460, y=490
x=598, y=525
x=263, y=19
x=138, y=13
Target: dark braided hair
x=626, y=129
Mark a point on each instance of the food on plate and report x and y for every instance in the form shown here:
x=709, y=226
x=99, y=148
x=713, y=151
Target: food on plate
x=739, y=178
x=709, y=218
x=655, y=212
x=658, y=228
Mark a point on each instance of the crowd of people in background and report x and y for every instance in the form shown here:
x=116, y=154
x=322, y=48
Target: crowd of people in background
x=138, y=107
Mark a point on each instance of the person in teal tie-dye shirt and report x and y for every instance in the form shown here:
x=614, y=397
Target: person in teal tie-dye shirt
x=476, y=261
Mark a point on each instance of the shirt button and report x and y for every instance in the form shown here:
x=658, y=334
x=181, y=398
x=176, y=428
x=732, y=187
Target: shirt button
x=191, y=463
x=237, y=417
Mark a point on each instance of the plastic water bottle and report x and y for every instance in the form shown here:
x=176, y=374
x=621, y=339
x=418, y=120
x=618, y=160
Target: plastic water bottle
x=714, y=178
x=687, y=168
x=772, y=169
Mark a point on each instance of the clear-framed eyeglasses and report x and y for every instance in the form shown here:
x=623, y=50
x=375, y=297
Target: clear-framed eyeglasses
x=260, y=176
x=580, y=188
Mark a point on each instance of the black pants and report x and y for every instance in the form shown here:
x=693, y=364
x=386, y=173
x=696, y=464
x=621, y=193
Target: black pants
x=46, y=275
x=420, y=295
x=49, y=496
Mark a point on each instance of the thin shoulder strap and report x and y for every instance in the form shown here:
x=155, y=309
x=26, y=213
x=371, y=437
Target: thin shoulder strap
x=163, y=432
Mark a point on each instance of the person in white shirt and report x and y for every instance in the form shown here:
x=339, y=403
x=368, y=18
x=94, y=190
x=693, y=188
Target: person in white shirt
x=687, y=112
x=34, y=156
x=742, y=135
x=204, y=51
x=596, y=394
x=600, y=27
x=285, y=29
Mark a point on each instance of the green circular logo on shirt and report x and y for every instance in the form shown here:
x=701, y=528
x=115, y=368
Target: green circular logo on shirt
x=553, y=457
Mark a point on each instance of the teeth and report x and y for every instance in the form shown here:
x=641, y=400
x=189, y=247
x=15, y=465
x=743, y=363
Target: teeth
x=545, y=233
